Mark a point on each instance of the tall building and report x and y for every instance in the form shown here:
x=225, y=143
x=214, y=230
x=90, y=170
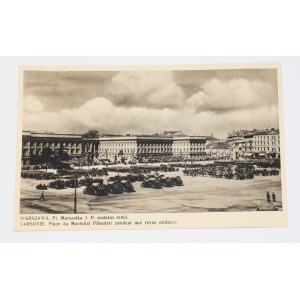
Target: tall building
x=266, y=143
x=256, y=143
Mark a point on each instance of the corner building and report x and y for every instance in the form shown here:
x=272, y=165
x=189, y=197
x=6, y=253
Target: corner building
x=75, y=145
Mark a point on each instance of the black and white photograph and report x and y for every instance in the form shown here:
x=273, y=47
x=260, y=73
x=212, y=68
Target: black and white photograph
x=192, y=139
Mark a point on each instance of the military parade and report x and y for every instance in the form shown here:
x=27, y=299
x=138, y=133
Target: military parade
x=159, y=166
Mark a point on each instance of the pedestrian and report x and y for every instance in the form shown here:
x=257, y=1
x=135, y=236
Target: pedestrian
x=42, y=198
x=268, y=196
x=274, y=197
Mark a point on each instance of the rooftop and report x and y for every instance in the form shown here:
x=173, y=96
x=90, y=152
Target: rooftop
x=218, y=145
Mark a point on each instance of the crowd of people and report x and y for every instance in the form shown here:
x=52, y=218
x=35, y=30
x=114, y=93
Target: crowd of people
x=39, y=175
x=85, y=172
x=144, y=169
x=230, y=170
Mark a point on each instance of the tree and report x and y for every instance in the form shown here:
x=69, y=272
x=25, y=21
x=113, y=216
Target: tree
x=91, y=134
x=61, y=159
x=46, y=157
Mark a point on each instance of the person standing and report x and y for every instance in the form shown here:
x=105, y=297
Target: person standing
x=274, y=197
x=42, y=198
x=268, y=196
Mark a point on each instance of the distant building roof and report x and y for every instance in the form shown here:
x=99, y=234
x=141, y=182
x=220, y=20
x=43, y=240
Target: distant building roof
x=244, y=133
x=267, y=131
x=174, y=133
x=218, y=145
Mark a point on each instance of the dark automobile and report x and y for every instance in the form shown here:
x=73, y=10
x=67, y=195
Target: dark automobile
x=114, y=188
x=101, y=190
x=41, y=187
x=274, y=172
x=96, y=190
x=167, y=182
x=152, y=184
x=146, y=184
x=89, y=190
x=133, y=177
x=71, y=183
x=57, y=184
x=156, y=183
x=117, y=178
x=177, y=181
x=127, y=186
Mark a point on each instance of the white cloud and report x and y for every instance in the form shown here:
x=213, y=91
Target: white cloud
x=103, y=115
x=220, y=96
x=146, y=89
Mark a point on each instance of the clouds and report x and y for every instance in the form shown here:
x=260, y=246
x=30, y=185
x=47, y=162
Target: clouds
x=146, y=89
x=102, y=114
x=159, y=90
x=238, y=94
x=147, y=102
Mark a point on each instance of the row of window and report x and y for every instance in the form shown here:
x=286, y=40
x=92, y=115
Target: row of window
x=116, y=150
x=264, y=137
x=117, y=144
x=153, y=151
x=154, y=146
x=39, y=152
x=50, y=145
x=179, y=144
x=272, y=149
x=267, y=143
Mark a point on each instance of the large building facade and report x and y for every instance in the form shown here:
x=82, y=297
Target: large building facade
x=191, y=147
x=267, y=143
x=240, y=144
x=112, y=147
x=128, y=147
x=75, y=145
x=256, y=143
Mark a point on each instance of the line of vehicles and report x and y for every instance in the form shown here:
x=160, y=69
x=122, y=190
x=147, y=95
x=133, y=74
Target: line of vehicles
x=115, y=184
x=159, y=182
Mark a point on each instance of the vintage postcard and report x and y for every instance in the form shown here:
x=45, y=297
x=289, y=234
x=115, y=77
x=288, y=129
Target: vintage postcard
x=150, y=147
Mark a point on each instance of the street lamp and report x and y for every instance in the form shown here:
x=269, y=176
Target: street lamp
x=75, y=195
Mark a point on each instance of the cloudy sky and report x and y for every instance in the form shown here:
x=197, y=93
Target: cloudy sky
x=196, y=102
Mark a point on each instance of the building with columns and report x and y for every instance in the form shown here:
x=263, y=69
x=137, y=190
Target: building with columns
x=114, y=146
x=110, y=147
x=75, y=145
x=135, y=147
x=190, y=147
